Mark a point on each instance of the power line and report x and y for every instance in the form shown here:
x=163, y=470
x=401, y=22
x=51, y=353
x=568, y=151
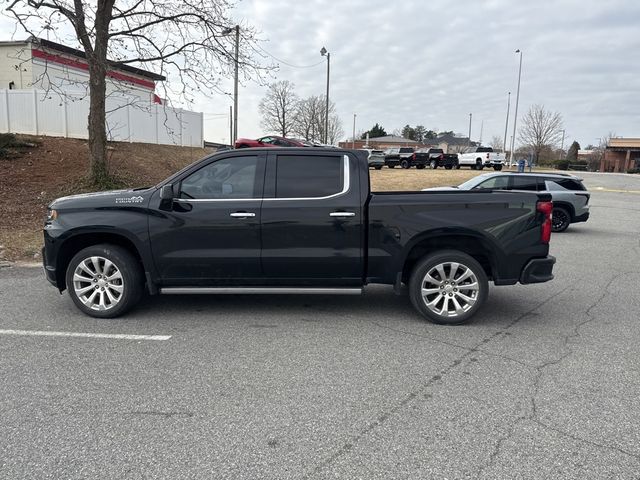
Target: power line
x=287, y=63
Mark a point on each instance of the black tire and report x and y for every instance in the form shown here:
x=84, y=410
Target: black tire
x=378, y=168
x=479, y=165
x=443, y=257
x=420, y=167
x=497, y=168
x=560, y=219
x=433, y=164
x=457, y=166
x=448, y=167
x=391, y=166
x=405, y=164
x=132, y=279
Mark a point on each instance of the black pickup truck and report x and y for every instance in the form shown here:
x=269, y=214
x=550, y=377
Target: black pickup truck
x=435, y=157
x=293, y=220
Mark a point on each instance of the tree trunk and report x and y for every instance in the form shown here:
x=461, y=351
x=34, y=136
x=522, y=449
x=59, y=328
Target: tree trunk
x=97, y=126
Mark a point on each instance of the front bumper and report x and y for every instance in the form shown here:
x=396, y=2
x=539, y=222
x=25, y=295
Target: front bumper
x=538, y=270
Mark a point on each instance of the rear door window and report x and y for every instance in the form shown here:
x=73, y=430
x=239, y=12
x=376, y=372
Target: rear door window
x=299, y=176
x=526, y=183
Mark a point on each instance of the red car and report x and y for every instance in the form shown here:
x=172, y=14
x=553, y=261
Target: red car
x=269, y=141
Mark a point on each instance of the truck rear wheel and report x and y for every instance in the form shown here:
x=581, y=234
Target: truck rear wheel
x=104, y=281
x=497, y=168
x=448, y=287
x=479, y=165
x=433, y=164
x=405, y=164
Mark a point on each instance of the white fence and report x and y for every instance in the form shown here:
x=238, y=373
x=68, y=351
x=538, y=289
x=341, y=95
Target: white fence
x=36, y=112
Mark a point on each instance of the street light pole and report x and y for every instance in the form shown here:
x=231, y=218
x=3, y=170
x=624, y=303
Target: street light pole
x=353, y=143
x=324, y=52
x=506, y=124
x=562, y=144
x=515, y=117
x=469, y=140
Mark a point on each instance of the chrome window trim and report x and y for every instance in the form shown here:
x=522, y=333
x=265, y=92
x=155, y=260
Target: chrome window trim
x=346, y=185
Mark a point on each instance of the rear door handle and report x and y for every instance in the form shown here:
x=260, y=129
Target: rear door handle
x=342, y=214
x=242, y=214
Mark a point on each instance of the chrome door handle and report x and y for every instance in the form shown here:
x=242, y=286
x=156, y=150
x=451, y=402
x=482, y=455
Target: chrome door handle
x=342, y=214
x=242, y=214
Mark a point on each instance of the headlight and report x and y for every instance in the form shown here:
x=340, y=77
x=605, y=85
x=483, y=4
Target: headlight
x=52, y=215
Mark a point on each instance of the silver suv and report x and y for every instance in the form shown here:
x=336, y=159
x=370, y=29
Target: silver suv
x=570, y=197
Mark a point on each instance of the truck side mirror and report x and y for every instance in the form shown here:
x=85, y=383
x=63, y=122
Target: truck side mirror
x=166, y=192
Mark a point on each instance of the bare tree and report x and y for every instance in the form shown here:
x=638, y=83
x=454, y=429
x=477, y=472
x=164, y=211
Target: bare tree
x=336, y=132
x=186, y=41
x=496, y=143
x=540, y=128
x=307, y=118
x=278, y=108
x=310, y=120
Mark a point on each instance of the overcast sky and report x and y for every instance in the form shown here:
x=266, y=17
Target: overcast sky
x=433, y=63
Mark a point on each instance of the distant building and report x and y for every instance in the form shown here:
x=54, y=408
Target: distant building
x=621, y=154
x=43, y=64
x=452, y=144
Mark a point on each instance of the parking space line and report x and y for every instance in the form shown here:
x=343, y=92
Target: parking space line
x=117, y=336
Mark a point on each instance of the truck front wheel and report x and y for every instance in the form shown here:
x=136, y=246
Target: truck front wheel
x=104, y=281
x=479, y=165
x=448, y=287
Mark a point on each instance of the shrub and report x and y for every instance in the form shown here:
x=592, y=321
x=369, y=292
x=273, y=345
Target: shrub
x=562, y=164
x=634, y=170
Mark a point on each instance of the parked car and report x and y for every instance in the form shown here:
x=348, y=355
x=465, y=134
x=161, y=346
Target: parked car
x=374, y=157
x=269, y=141
x=435, y=157
x=293, y=221
x=394, y=156
x=569, y=195
x=479, y=157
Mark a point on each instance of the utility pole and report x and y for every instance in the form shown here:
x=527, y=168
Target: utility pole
x=515, y=117
x=353, y=143
x=506, y=125
x=469, y=141
x=481, y=129
x=228, y=31
x=231, y=126
x=562, y=144
x=324, y=52
x=235, y=87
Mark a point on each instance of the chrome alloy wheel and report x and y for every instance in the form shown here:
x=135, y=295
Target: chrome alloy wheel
x=98, y=283
x=450, y=289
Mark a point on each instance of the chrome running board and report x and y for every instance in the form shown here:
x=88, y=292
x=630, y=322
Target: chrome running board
x=260, y=290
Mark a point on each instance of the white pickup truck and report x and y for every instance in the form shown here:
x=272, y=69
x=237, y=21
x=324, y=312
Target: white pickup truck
x=479, y=157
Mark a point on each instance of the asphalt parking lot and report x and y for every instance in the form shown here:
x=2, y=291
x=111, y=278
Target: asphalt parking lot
x=543, y=384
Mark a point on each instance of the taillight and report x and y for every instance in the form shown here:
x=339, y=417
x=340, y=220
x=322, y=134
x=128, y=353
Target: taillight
x=545, y=208
x=487, y=155
x=441, y=156
x=413, y=156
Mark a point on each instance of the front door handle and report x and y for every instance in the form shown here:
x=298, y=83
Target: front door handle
x=242, y=214
x=342, y=214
